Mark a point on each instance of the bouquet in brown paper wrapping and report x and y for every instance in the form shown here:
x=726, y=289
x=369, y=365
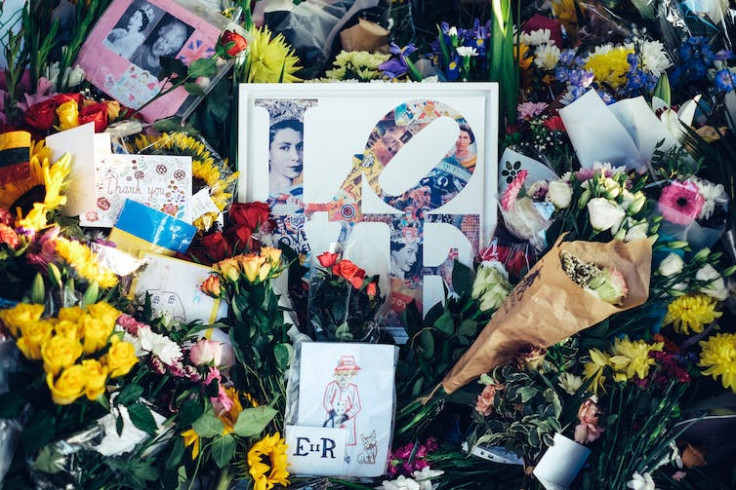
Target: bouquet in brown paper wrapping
x=547, y=306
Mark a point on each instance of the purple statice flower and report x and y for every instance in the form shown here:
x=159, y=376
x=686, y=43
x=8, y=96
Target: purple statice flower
x=724, y=81
x=395, y=67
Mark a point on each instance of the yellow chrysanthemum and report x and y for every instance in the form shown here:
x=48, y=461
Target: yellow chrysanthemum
x=719, y=357
x=271, y=60
x=41, y=193
x=691, y=312
x=81, y=258
x=609, y=65
x=595, y=369
x=267, y=461
x=631, y=357
x=205, y=171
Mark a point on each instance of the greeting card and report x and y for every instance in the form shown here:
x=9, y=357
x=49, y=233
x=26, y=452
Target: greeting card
x=160, y=182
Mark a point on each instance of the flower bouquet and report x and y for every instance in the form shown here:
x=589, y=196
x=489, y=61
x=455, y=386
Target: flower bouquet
x=343, y=302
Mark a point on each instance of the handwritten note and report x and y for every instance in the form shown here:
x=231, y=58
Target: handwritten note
x=161, y=182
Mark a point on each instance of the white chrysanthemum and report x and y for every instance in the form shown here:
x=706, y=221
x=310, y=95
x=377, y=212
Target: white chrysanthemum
x=570, y=383
x=535, y=38
x=467, y=51
x=654, y=58
x=602, y=49
x=713, y=194
x=547, y=56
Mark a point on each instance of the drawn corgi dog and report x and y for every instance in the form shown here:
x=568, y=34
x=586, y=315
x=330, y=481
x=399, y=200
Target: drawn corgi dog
x=370, y=449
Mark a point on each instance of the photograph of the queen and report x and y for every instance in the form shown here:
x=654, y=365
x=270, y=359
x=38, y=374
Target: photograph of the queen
x=131, y=30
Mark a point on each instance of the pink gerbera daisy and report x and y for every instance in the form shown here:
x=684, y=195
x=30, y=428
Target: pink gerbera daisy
x=680, y=202
x=509, y=197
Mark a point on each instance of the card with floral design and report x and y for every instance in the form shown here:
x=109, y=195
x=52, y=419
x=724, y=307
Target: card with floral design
x=161, y=182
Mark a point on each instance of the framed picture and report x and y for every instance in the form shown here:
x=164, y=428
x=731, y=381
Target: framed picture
x=320, y=155
x=122, y=54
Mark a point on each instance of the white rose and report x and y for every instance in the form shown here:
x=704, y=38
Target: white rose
x=716, y=287
x=636, y=232
x=604, y=214
x=559, y=194
x=671, y=265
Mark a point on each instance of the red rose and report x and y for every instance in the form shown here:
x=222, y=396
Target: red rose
x=349, y=271
x=327, y=259
x=216, y=246
x=371, y=289
x=554, y=123
x=233, y=43
x=61, y=98
x=240, y=237
x=42, y=115
x=538, y=22
x=96, y=113
x=251, y=214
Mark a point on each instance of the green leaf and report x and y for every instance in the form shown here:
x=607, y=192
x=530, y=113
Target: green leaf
x=252, y=421
x=11, y=405
x=144, y=472
x=40, y=431
x=141, y=417
x=204, y=67
x=223, y=450
x=208, y=426
x=129, y=394
x=462, y=279
x=38, y=293
x=282, y=354
x=119, y=425
x=468, y=328
x=49, y=461
x=527, y=393
x=194, y=89
x=190, y=411
x=445, y=323
x=90, y=295
x=427, y=342
x=218, y=101
x=177, y=452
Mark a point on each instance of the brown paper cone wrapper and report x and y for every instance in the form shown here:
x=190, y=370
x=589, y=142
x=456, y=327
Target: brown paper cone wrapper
x=365, y=36
x=547, y=306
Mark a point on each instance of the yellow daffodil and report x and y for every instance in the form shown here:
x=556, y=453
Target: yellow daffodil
x=719, y=358
x=595, y=369
x=267, y=462
x=691, y=312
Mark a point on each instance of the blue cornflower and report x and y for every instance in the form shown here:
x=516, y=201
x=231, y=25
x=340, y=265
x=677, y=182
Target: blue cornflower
x=724, y=81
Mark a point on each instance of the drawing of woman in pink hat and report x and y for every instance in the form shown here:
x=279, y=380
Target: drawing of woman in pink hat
x=341, y=399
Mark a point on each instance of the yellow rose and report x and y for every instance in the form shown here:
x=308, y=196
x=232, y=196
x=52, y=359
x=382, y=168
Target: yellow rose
x=59, y=353
x=72, y=314
x=68, y=113
x=69, y=329
x=96, y=378
x=265, y=269
x=19, y=315
x=273, y=255
x=95, y=333
x=69, y=386
x=120, y=358
x=104, y=311
x=229, y=269
x=251, y=265
x=113, y=109
x=33, y=337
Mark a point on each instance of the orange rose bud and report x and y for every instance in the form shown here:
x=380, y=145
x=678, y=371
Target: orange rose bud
x=211, y=286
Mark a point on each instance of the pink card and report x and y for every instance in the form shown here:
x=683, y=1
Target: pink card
x=121, y=56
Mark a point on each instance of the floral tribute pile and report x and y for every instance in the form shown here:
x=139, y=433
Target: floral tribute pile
x=592, y=344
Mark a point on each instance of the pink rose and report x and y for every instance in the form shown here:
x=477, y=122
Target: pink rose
x=486, y=400
x=206, y=352
x=588, y=429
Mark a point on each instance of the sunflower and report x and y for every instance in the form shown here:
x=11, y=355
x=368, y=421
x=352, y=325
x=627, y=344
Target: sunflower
x=271, y=60
x=206, y=171
x=41, y=193
x=267, y=461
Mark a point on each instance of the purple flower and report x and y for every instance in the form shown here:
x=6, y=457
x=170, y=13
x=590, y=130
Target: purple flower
x=396, y=67
x=724, y=81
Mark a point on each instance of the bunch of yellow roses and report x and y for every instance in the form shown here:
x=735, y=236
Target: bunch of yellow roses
x=70, y=345
x=254, y=268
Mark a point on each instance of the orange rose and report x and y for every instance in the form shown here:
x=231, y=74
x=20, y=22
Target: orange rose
x=351, y=272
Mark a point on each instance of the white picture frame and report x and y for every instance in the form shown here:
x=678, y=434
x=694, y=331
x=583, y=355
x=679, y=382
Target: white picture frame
x=330, y=170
